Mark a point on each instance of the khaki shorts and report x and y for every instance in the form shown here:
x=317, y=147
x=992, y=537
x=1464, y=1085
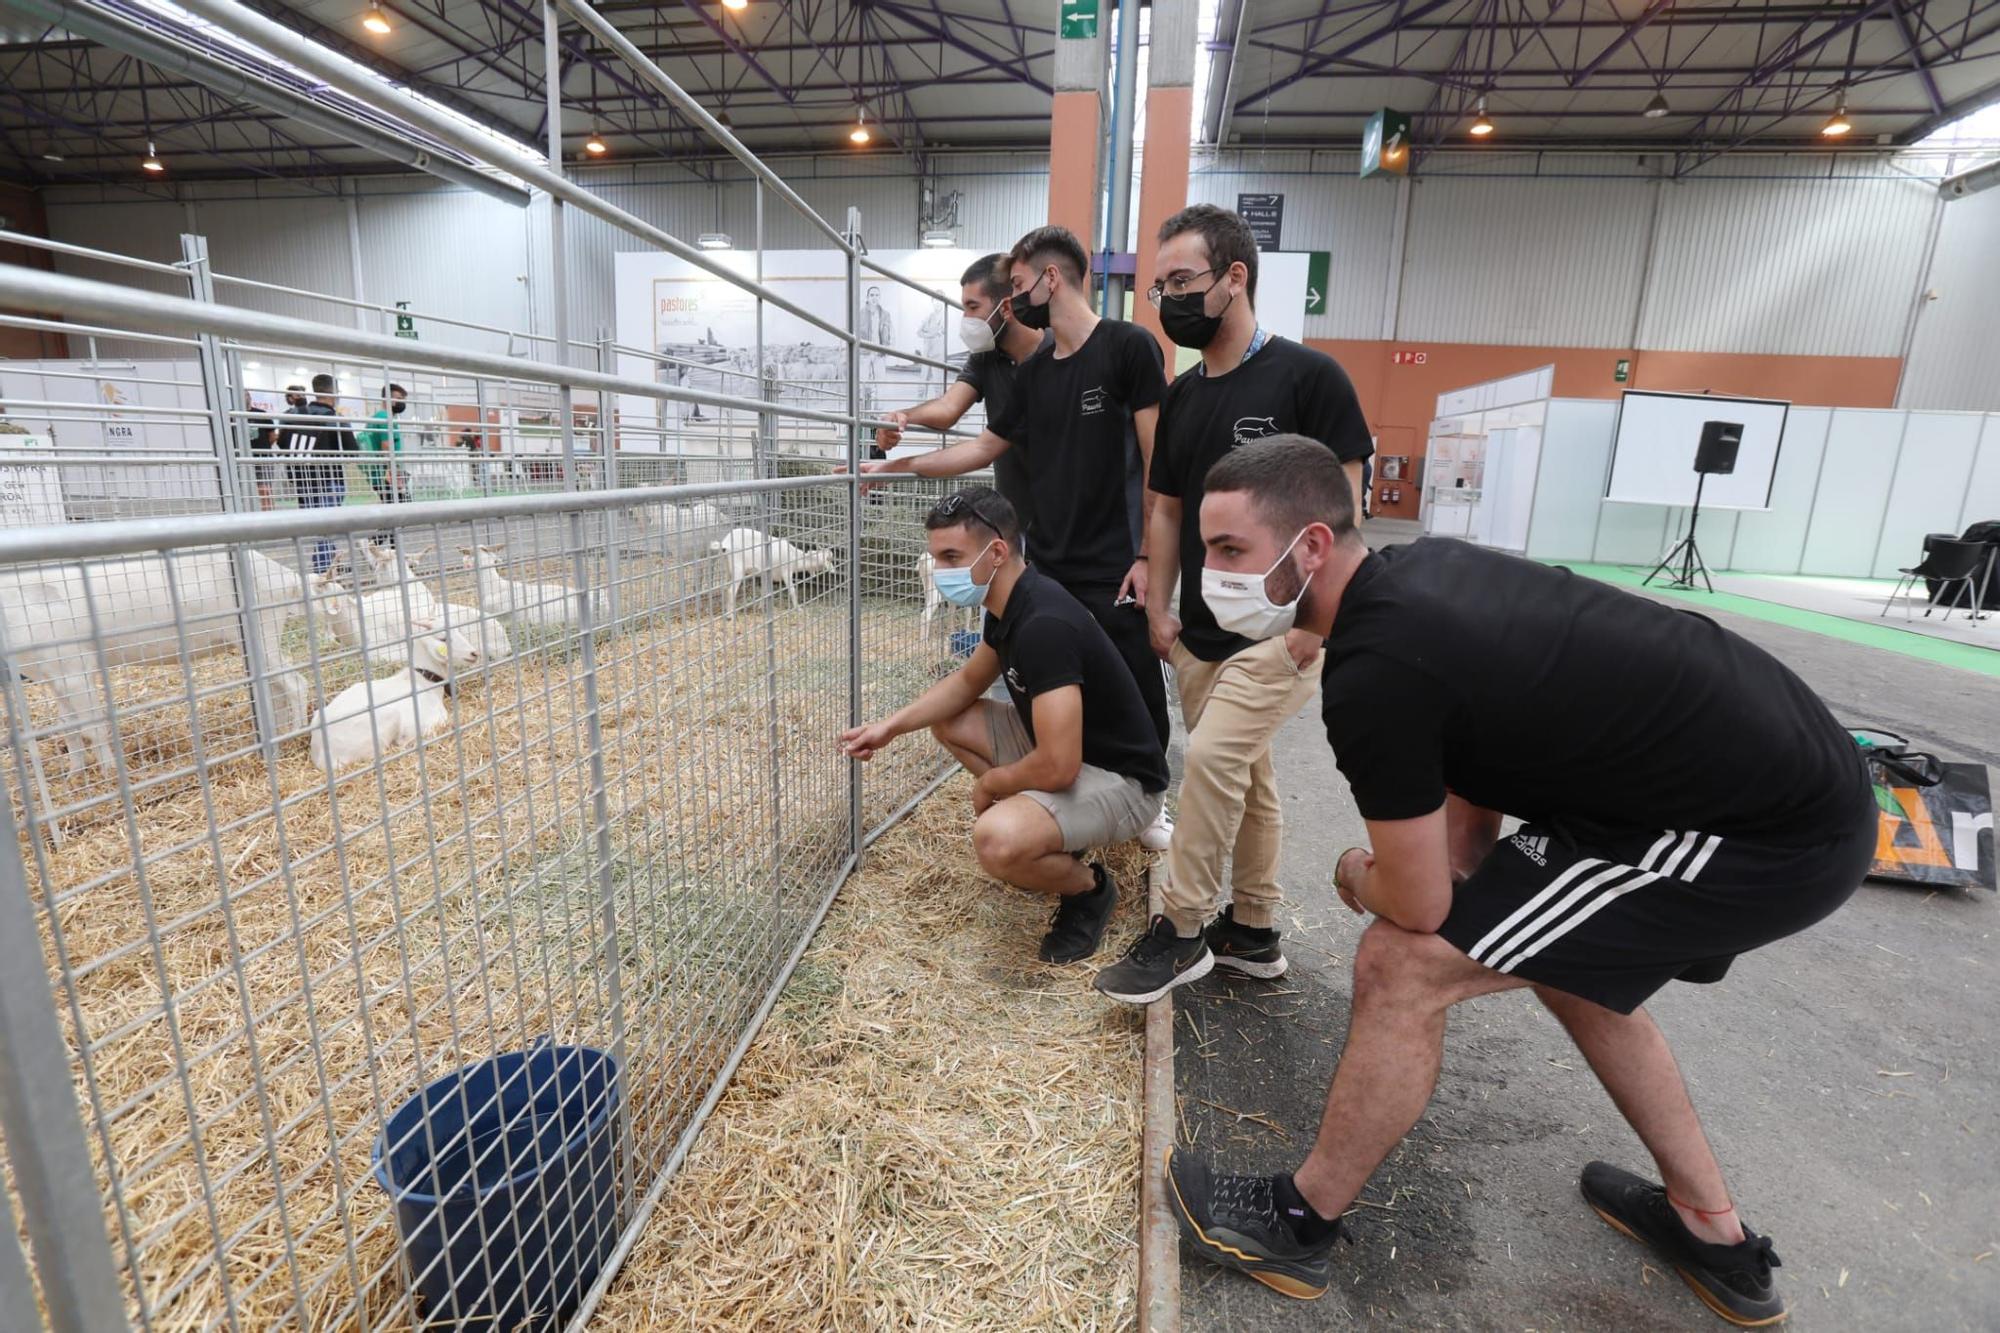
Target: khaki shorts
x=1099, y=809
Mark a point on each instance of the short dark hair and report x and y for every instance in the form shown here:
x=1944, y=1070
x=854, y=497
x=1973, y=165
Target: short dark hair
x=295, y=388
x=1291, y=481
x=1227, y=236
x=395, y=388
x=980, y=503
x=322, y=384
x=990, y=273
x=1043, y=244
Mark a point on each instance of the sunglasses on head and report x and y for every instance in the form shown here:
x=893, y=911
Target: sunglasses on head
x=958, y=508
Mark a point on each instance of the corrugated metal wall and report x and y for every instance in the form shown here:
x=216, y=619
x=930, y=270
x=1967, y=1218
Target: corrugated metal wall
x=1761, y=254
x=1953, y=357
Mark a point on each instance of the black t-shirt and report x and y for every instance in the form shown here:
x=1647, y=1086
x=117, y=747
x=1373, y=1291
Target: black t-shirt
x=315, y=429
x=991, y=376
x=1072, y=416
x=1285, y=389
x=1046, y=641
x=1528, y=690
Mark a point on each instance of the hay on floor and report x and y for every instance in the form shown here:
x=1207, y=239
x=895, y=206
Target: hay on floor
x=933, y=1130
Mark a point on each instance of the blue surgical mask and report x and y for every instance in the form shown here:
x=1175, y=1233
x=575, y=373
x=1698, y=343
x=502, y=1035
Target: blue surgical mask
x=956, y=585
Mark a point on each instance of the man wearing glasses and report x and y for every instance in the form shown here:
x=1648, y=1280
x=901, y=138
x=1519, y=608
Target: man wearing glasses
x=1240, y=672
x=1082, y=414
x=1071, y=762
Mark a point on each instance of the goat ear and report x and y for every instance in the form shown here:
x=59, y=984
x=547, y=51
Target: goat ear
x=440, y=650
x=423, y=625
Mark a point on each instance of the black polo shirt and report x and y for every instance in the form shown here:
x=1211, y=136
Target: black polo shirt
x=1046, y=641
x=1528, y=690
x=991, y=378
x=1285, y=389
x=1072, y=417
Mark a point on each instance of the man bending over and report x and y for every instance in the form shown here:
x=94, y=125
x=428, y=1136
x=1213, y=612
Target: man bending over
x=1687, y=799
x=1072, y=762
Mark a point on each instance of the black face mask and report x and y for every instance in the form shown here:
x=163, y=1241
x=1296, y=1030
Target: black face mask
x=295, y=402
x=397, y=408
x=1186, y=322
x=1027, y=314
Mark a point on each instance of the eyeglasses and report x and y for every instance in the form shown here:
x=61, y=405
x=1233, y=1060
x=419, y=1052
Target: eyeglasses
x=959, y=507
x=1178, y=286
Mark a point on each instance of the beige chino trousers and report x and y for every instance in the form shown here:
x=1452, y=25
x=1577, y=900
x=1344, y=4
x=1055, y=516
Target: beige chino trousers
x=1229, y=791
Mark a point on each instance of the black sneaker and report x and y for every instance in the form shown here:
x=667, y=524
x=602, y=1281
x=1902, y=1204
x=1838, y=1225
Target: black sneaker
x=1732, y=1280
x=1234, y=1221
x=1245, y=949
x=1158, y=961
x=1078, y=926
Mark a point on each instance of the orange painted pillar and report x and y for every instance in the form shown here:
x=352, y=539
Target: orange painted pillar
x=1076, y=129
x=1163, y=175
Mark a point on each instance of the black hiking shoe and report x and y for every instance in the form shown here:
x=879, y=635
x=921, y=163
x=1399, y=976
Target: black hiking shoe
x=1244, y=949
x=1158, y=961
x=1233, y=1220
x=1732, y=1280
x=1078, y=926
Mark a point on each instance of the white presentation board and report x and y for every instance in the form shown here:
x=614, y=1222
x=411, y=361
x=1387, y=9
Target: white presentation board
x=1652, y=451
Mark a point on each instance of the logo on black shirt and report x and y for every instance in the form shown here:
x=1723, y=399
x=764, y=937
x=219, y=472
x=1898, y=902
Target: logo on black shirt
x=1247, y=429
x=1093, y=401
x=1535, y=849
x=1014, y=679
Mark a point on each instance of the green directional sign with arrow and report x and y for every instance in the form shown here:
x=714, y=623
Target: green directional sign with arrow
x=1319, y=265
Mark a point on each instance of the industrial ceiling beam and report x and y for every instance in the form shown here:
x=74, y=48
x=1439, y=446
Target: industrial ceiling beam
x=1016, y=66
x=1640, y=22
x=1314, y=62
x=1915, y=48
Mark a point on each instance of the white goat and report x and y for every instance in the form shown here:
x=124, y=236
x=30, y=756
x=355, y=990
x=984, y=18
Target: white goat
x=483, y=628
x=548, y=605
x=380, y=615
x=688, y=527
x=393, y=571
x=47, y=615
x=406, y=708
x=933, y=599
x=752, y=553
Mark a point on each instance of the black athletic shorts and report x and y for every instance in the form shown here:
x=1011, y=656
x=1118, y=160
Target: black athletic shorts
x=1613, y=915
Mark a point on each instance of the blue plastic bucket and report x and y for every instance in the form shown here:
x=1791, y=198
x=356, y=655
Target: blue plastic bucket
x=504, y=1176
x=964, y=642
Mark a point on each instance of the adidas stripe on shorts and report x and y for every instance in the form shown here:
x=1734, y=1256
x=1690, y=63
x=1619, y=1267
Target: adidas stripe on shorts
x=1612, y=916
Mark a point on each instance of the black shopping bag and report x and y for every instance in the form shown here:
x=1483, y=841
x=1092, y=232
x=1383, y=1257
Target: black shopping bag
x=1936, y=818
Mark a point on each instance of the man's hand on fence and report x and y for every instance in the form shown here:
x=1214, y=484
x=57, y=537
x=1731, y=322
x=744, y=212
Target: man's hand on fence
x=862, y=742
x=892, y=435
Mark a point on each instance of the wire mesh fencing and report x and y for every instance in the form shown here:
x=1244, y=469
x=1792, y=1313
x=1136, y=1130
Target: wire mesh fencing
x=387, y=867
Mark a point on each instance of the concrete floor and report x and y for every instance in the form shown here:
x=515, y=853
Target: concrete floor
x=1847, y=1076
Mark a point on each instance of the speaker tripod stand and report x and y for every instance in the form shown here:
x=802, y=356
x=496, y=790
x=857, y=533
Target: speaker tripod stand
x=1684, y=561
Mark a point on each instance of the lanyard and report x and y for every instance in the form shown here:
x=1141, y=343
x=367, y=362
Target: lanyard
x=1257, y=341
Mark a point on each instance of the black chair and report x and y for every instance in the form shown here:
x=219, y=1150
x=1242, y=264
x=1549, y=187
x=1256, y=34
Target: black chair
x=1947, y=562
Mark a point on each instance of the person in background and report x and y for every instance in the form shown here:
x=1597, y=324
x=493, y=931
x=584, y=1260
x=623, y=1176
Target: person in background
x=995, y=344
x=1235, y=691
x=1082, y=406
x=1071, y=762
x=315, y=439
x=383, y=438
x=263, y=446
x=1687, y=799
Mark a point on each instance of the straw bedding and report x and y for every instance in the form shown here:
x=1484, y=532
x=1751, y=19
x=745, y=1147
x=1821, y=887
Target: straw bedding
x=933, y=1130
x=429, y=912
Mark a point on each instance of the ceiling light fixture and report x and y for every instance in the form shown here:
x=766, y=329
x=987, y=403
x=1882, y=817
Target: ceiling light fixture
x=52, y=157
x=939, y=239
x=377, y=22
x=1481, y=126
x=1656, y=108
x=595, y=145
x=713, y=240
x=738, y=5
x=1838, y=124
x=151, y=161
x=859, y=134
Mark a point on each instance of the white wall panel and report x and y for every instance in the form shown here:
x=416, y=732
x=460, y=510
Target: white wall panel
x=1982, y=492
x=1807, y=266
x=1933, y=471
x=1953, y=356
x=1774, y=541
x=1528, y=261
x=1576, y=451
x=1854, y=476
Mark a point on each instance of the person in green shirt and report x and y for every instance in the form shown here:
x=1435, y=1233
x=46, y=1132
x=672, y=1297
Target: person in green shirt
x=384, y=436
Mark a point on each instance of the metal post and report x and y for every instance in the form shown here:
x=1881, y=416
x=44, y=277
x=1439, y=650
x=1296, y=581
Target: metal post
x=763, y=456
x=1119, y=179
x=614, y=539
x=482, y=468
x=600, y=806
x=46, y=1150
x=216, y=390
x=854, y=718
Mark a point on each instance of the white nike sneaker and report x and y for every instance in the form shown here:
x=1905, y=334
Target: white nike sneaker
x=1157, y=835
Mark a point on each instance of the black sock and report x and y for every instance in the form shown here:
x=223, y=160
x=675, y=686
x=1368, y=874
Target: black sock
x=1307, y=1225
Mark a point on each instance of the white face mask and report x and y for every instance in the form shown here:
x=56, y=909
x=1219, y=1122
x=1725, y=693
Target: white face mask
x=976, y=334
x=1240, y=604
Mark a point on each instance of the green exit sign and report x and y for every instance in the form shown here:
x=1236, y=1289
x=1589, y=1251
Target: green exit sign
x=1079, y=18
x=1319, y=267
x=406, y=324
x=1623, y=371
